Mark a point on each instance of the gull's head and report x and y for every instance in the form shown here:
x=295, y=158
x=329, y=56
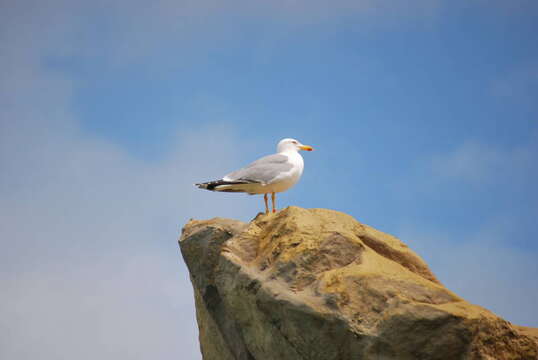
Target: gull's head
x=291, y=145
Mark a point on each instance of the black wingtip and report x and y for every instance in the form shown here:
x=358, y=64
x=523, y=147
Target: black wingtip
x=212, y=185
x=202, y=185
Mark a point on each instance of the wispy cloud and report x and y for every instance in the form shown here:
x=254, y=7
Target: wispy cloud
x=480, y=163
x=518, y=84
x=509, y=8
x=120, y=33
x=90, y=264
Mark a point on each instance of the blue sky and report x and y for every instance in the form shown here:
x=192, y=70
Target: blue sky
x=424, y=118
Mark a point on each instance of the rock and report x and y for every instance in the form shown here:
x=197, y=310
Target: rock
x=317, y=284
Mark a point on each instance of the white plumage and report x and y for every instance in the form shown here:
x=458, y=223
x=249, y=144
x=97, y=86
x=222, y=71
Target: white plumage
x=270, y=174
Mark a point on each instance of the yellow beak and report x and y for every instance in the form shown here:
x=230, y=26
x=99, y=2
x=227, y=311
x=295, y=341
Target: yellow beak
x=306, y=147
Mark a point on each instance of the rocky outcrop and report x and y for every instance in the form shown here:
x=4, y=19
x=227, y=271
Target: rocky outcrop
x=317, y=284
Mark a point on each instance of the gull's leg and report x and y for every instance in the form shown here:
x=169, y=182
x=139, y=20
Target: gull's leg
x=273, y=198
x=266, y=205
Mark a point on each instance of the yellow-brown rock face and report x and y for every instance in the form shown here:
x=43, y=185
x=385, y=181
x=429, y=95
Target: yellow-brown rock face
x=317, y=284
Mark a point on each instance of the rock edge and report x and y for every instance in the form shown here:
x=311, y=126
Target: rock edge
x=317, y=284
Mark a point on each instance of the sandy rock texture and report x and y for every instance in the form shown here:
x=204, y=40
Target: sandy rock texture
x=318, y=285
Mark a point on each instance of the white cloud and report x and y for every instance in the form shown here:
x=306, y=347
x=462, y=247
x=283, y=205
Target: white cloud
x=120, y=306
x=508, y=8
x=121, y=33
x=518, y=84
x=90, y=266
x=481, y=163
x=471, y=161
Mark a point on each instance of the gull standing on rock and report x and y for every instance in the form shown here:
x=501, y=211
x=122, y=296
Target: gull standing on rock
x=269, y=174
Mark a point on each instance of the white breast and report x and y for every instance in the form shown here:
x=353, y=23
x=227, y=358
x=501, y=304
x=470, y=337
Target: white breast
x=289, y=178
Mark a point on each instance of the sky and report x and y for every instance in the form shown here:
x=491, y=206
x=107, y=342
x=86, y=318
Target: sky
x=423, y=116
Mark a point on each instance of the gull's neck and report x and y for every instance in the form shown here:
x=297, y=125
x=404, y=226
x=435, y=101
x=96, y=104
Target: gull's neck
x=289, y=152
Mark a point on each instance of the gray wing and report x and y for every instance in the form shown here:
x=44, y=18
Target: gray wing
x=262, y=170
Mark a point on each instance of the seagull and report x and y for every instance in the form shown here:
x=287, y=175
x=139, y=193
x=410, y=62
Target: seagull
x=270, y=174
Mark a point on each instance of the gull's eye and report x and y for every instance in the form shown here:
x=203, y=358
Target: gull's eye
x=295, y=142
